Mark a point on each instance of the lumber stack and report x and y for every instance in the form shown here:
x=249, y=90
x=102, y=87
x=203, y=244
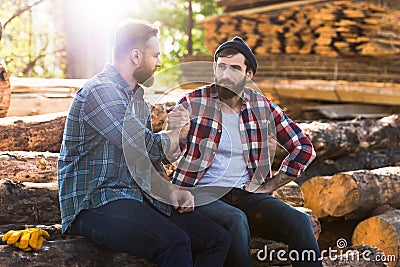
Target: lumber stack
x=329, y=29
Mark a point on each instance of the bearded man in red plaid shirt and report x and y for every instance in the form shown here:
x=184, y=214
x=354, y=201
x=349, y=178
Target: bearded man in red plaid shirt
x=226, y=160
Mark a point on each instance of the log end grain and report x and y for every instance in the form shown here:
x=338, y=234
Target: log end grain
x=383, y=232
x=340, y=195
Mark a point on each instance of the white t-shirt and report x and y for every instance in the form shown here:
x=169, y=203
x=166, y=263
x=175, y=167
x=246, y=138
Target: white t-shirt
x=229, y=167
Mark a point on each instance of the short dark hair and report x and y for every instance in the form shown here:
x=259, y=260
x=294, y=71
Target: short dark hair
x=229, y=52
x=132, y=33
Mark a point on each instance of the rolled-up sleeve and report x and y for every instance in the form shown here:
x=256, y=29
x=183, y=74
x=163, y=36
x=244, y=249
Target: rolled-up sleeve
x=295, y=142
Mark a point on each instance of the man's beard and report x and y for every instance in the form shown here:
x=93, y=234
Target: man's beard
x=227, y=89
x=144, y=75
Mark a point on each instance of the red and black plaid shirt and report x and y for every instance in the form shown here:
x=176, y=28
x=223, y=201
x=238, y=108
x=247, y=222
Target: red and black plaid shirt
x=261, y=123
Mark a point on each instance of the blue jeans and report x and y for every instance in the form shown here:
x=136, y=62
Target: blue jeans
x=265, y=216
x=137, y=228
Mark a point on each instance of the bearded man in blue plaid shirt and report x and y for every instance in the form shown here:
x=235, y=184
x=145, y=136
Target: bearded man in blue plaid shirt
x=108, y=159
x=227, y=159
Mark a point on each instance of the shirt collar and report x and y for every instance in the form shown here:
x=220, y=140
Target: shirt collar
x=114, y=75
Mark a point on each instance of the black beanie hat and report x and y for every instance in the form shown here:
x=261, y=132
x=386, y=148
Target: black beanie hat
x=243, y=48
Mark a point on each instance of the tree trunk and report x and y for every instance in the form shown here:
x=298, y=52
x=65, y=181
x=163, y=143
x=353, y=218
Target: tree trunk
x=356, y=193
x=5, y=90
x=32, y=133
x=383, y=232
x=339, y=138
x=360, y=160
x=35, y=167
x=312, y=192
x=29, y=203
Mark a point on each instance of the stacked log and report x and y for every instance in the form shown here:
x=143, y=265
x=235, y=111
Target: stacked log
x=382, y=231
x=29, y=198
x=32, y=133
x=353, y=194
x=330, y=29
x=28, y=189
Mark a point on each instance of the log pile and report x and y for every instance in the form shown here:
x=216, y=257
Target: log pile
x=330, y=29
x=28, y=188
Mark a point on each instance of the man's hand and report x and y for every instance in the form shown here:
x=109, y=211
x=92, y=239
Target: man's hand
x=258, y=188
x=178, y=121
x=270, y=186
x=182, y=200
x=28, y=239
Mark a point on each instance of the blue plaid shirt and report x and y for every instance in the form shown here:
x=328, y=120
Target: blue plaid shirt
x=92, y=169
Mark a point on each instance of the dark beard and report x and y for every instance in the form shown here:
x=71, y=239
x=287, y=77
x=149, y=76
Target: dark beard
x=229, y=89
x=144, y=75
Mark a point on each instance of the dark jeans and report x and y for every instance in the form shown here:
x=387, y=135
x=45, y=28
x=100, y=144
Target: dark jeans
x=138, y=229
x=265, y=216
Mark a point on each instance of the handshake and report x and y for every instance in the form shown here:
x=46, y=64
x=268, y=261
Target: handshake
x=178, y=122
x=28, y=239
x=176, y=126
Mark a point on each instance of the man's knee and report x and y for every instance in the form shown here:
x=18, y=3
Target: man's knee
x=236, y=221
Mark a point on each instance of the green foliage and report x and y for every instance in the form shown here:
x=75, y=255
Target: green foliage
x=173, y=17
x=32, y=45
x=33, y=42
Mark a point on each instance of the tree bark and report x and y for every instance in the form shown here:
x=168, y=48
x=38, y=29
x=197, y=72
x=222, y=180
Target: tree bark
x=360, y=160
x=383, y=232
x=338, y=138
x=291, y=194
x=66, y=250
x=29, y=203
x=73, y=252
x=32, y=133
x=355, y=194
x=35, y=167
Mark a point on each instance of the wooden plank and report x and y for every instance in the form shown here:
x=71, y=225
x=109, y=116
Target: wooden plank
x=23, y=85
x=337, y=91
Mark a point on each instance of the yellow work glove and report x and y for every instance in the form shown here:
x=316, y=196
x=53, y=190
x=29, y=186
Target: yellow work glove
x=28, y=239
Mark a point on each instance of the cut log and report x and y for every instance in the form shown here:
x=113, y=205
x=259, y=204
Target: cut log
x=337, y=138
x=332, y=231
x=29, y=203
x=77, y=251
x=74, y=252
x=291, y=194
x=32, y=133
x=356, y=193
x=35, y=167
x=361, y=160
x=5, y=91
x=311, y=191
x=33, y=203
x=382, y=231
